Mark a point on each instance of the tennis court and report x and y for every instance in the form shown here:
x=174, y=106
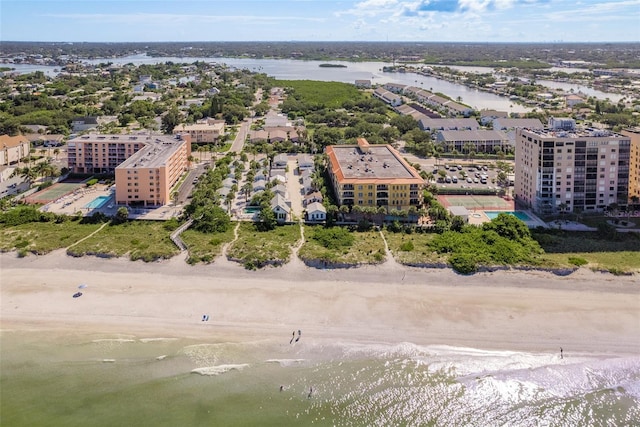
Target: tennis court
x=475, y=202
x=54, y=192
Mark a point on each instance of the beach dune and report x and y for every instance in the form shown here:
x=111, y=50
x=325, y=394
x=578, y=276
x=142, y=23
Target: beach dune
x=515, y=310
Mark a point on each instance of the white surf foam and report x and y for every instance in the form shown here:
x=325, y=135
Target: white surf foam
x=148, y=340
x=113, y=340
x=217, y=370
x=285, y=362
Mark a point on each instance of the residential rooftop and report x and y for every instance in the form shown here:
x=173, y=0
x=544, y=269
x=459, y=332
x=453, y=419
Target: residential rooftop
x=575, y=133
x=364, y=161
x=155, y=152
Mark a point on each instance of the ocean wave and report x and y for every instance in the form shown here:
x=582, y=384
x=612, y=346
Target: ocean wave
x=285, y=362
x=148, y=340
x=113, y=340
x=217, y=370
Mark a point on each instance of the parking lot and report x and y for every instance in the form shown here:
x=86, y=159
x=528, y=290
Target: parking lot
x=461, y=169
x=468, y=176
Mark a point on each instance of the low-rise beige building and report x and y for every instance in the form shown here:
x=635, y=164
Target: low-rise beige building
x=205, y=132
x=373, y=176
x=13, y=149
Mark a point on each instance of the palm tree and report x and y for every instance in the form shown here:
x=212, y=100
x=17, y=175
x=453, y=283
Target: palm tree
x=56, y=152
x=246, y=189
x=228, y=201
x=29, y=174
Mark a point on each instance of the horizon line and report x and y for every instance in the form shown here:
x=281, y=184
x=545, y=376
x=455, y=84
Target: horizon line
x=327, y=41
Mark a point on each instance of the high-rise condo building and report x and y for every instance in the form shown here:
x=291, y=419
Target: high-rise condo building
x=564, y=168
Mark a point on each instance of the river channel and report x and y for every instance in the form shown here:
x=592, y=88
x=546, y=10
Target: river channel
x=290, y=69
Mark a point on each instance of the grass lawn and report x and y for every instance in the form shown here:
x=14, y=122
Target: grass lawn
x=205, y=247
x=367, y=248
x=256, y=249
x=412, y=248
x=43, y=237
x=615, y=262
x=615, y=253
x=146, y=240
x=330, y=94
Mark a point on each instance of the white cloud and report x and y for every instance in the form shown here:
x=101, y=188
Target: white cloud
x=474, y=5
x=169, y=18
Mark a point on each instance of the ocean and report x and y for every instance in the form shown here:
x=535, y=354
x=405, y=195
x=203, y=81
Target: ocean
x=81, y=379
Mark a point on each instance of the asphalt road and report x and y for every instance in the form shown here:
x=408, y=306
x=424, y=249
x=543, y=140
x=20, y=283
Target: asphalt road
x=187, y=186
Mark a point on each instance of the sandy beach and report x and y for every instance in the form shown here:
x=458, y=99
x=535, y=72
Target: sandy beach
x=512, y=310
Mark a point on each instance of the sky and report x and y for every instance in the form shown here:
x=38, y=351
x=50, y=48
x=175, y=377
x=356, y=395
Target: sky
x=321, y=20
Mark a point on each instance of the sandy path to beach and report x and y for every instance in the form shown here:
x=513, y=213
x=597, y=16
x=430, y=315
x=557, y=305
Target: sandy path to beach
x=532, y=311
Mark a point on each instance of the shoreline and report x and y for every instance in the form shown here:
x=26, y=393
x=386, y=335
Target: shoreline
x=503, y=310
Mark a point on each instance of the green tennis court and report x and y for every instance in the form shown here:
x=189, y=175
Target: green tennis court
x=54, y=192
x=476, y=202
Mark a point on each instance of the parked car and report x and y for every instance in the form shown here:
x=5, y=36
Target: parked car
x=447, y=179
x=454, y=179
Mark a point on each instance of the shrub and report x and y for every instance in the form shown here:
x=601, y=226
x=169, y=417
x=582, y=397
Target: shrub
x=21, y=215
x=333, y=237
x=45, y=185
x=91, y=182
x=577, y=261
x=171, y=224
x=407, y=246
x=463, y=263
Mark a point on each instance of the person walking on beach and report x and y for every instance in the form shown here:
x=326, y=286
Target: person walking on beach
x=561, y=355
x=299, y=335
x=310, y=392
x=293, y=335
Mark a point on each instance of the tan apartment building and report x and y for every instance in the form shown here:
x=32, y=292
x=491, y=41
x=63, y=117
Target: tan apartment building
x=565, y=168
x=373, y=176
x=147, y=177
x=206, y=132
x=95, y=153
x=145, y=166
x=634, y=161
x=13, y=149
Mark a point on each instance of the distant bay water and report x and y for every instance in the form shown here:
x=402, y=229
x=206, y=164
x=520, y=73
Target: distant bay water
x=292, y=69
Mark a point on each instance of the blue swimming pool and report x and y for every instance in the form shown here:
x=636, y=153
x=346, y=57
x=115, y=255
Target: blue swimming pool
x=521, y=215
x=98, y=202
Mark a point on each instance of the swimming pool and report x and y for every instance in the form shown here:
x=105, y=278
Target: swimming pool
x=252, y=209
x=98, y=202
x=521, y=215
